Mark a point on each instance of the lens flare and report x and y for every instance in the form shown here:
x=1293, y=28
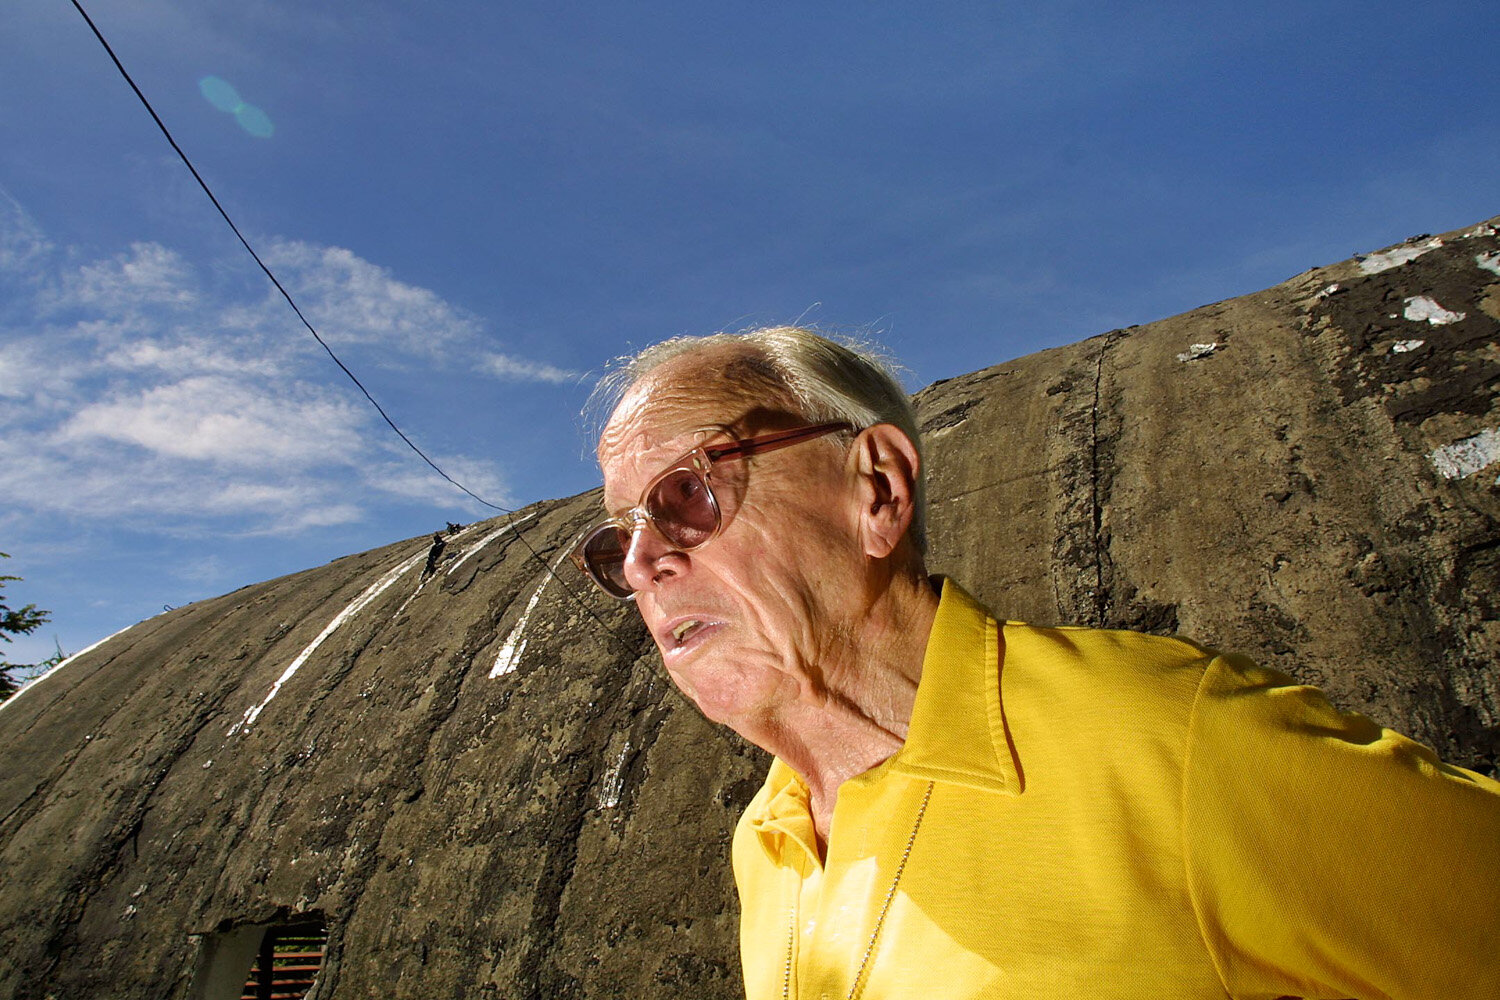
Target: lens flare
x=254, y=120
x=222, y=95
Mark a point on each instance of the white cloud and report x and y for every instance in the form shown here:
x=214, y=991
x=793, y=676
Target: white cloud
x=515, y=369
x=148, y=275
x=22, y=243
x=215, y=418
x=351, y=300
x=120, y=487
x=411, y=479
x=145, y=390
x=21, y=371
x=187, y=357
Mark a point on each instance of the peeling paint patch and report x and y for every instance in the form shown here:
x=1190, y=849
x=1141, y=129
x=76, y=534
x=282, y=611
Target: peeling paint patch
x=613, y=781
x=1420, y=307
x=1406, y=346
x=1196, y=351
x=1489, y=261
x=1406, y=253
x=354, y=607
x=1468, y=456
x=509, y=657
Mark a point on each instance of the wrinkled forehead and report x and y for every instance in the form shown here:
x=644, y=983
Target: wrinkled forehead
x=672, y=408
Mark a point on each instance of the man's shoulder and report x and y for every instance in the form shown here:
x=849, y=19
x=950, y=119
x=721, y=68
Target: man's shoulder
x=1136, y=679
x=1104, y=665
x=1099, y=648
x=1103, y=648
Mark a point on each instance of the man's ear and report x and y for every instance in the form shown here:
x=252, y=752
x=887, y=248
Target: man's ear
x=887, y=466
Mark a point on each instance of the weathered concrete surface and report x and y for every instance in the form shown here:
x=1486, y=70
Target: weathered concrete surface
x=463, y=834
x=1280, y=495
x=476, y=817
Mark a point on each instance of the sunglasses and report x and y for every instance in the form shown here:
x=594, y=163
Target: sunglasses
x=680, y=504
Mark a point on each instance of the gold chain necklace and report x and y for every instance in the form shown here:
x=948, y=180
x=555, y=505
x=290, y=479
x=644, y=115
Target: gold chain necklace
x=858, y=986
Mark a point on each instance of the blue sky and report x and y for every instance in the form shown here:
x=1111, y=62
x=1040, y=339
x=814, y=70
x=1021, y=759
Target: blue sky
x=479, y=204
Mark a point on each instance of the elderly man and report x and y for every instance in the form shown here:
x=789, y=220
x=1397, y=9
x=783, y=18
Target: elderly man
x=961, y=808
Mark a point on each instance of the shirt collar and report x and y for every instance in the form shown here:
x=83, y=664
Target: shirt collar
x=784, y=817
x=958, y=733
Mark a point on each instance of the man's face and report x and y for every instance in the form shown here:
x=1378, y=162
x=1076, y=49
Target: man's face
x=747, y=622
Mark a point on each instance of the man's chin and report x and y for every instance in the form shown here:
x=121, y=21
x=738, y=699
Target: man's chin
x=724, y=695
x=702, y=683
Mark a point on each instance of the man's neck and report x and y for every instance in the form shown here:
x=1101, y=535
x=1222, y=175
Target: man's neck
x=859, y=714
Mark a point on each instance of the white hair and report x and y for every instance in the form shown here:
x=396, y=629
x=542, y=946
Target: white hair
x=825, y=380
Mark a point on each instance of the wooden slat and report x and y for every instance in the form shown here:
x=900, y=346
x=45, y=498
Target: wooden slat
x=284, y=974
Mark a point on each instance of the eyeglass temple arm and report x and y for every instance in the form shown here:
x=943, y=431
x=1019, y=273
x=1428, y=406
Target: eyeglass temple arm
x=770, y=442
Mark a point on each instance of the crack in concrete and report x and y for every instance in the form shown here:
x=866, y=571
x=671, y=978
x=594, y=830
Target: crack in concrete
x=1099, y=482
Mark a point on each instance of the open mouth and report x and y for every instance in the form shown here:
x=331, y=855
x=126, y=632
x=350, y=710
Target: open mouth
x=685, y=631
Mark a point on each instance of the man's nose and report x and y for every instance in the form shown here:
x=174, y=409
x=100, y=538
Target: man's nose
x=649, y=557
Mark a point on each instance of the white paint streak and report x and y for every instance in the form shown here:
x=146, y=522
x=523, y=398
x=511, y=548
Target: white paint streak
x=1489, y=261
x=509, y=657
x=453, y=540
x=474, y=550
x=613, y=782
x=1404, y=254
x=1406, y=346
x=354, y=607
x=1196, y=351
x=1420, y=307
x=1468, y=456
x=411, y=597
x=85, y=650
x=510, y=654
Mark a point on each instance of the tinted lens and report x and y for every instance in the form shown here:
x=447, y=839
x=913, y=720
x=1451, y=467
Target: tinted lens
x=604, y=555
x=682, y=509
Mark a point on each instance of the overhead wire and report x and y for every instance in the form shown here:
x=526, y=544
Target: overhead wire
x=514, y=525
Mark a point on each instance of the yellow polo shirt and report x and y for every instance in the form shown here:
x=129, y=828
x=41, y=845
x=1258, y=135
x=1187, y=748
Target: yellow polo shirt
x=1091, y=814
